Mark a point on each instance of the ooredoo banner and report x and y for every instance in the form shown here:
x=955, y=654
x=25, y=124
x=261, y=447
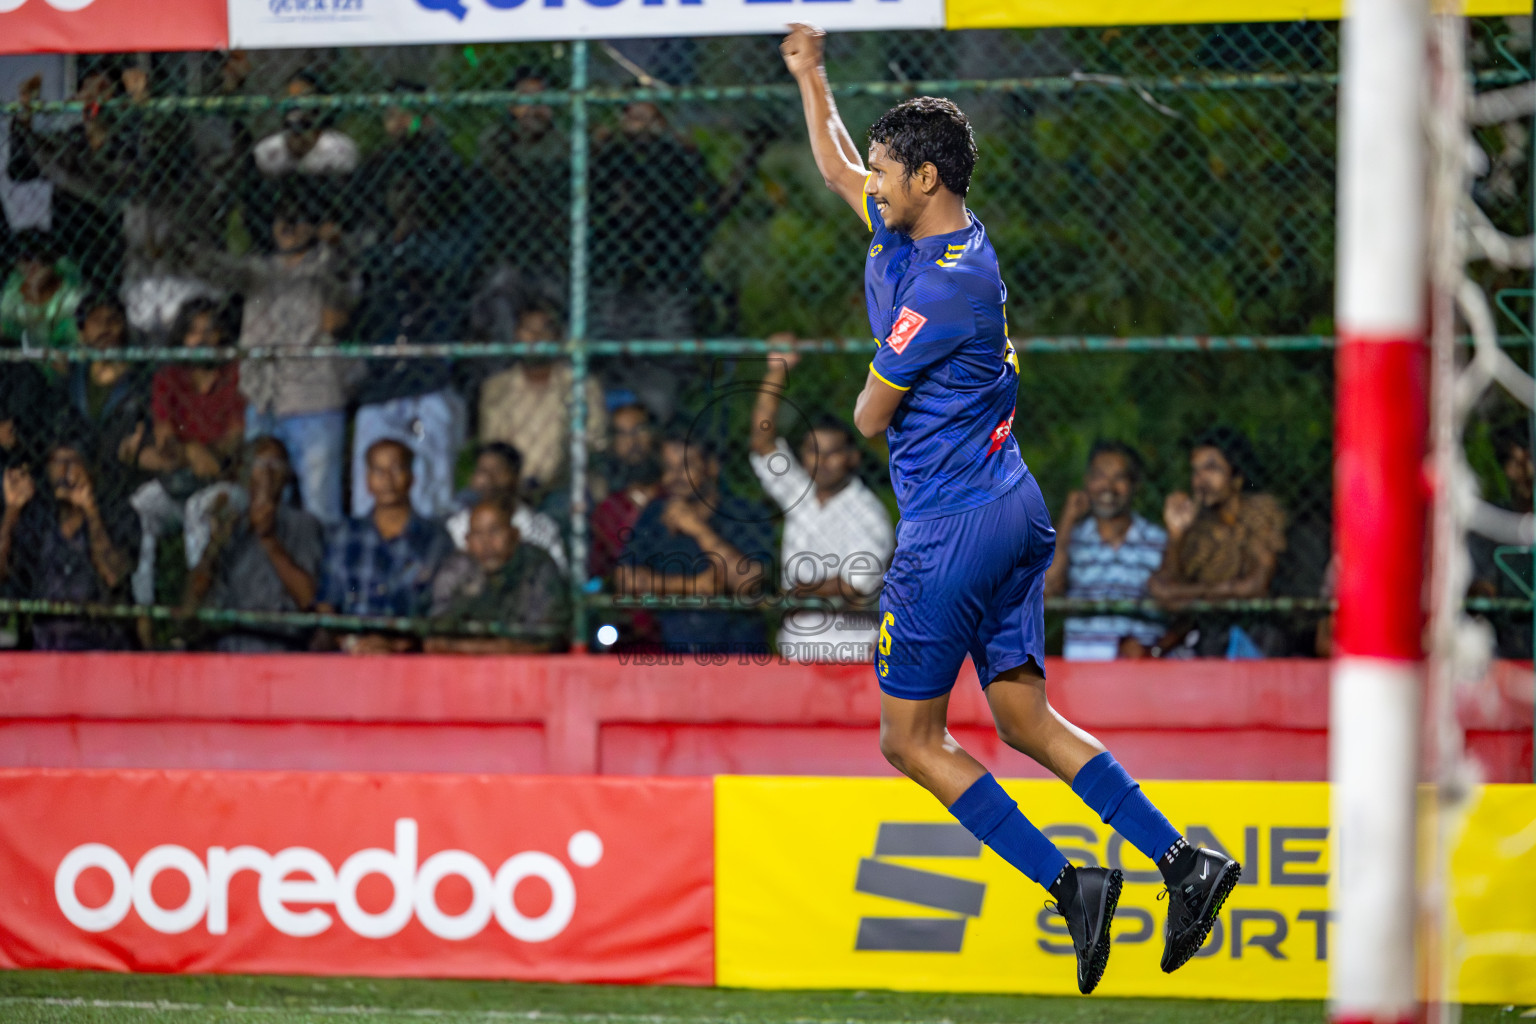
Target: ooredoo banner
x=854, y=883
x=112, y=26
x=267, y=23
x=755, y=882
x=552, y=879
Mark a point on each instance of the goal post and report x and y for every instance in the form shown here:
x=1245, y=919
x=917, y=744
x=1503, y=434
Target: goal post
x=1380, y=504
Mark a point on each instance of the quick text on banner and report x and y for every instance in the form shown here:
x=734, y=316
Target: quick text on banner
x=414, y=888
x=307, y=23
x=459, y=11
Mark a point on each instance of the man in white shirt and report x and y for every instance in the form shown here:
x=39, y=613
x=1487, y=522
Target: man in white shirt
x=305, y=145
x=498, y=473
x=838, y=537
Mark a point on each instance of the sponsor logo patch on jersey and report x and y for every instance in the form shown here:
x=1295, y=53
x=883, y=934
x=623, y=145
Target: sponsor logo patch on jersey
x=905, y=329
x=1000, y=434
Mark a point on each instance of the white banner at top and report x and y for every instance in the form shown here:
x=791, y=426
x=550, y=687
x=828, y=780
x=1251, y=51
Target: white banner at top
x=299, y=23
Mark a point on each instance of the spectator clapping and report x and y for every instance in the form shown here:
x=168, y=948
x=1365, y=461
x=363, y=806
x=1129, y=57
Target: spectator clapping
x=61, y=540
x=1106, y=551
x=263, y=553
x=1224, y=540
x=838, y=538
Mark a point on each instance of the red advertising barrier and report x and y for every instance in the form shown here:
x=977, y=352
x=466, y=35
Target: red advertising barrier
x=600, y=715
x=112, y=26
x=547, y=879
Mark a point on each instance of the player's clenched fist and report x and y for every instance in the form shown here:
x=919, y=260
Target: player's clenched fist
x=802, y=48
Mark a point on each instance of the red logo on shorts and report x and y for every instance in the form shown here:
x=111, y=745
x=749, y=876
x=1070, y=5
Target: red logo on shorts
x=905, y=329
x=1000, y=433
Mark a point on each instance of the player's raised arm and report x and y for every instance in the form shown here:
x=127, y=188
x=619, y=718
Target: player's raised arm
x=837, y=158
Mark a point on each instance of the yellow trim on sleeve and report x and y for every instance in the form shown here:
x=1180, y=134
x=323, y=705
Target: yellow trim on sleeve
x=864, y=206
x=898, y=387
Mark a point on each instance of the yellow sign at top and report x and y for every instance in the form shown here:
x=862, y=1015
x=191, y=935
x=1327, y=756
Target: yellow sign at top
x=1042, y=13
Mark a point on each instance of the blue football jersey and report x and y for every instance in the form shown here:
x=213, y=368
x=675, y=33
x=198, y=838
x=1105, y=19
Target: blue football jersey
x=936, y=310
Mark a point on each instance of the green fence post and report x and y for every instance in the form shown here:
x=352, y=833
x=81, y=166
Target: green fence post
x=578, y=344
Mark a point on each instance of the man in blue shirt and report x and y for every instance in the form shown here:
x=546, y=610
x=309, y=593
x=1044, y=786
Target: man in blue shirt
x=975, y=538
x=383, y=563
x=1105, y=551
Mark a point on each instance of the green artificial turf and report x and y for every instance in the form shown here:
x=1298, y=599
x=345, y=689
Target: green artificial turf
x=75, y=997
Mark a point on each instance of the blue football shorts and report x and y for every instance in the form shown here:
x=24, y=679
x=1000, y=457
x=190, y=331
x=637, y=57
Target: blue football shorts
x=971, y=583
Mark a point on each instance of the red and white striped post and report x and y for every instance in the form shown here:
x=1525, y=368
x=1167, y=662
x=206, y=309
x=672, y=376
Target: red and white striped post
x=1380, y=500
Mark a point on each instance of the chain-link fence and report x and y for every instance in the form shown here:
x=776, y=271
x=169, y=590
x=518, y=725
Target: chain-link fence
x=551, y=274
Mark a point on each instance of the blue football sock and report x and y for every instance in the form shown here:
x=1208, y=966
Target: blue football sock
x=994, y=818
x=1119, y=802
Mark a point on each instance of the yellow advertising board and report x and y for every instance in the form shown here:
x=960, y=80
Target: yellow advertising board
x=1493, y=898
x=868, y=883
x=1042, y=13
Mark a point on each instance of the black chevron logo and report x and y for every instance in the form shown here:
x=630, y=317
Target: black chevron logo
x=960, y=897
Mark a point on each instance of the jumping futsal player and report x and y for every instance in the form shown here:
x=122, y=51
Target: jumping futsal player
x=974, y=539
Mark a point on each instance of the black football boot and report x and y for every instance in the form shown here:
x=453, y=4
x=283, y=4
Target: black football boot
x=1088, y=903
x=1193, y=904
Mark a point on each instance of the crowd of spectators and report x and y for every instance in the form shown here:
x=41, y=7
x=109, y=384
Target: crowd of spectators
x=291, y=478
x=1219, y=541
x=294, y=480
x=1220, y=544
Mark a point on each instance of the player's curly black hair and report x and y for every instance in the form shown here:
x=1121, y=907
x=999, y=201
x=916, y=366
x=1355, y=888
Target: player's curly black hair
x=929, y=129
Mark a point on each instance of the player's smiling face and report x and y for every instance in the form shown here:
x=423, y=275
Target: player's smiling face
x=891, y=188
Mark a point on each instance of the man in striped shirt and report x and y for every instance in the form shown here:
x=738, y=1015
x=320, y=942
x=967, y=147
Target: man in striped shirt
x=1105, y=551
